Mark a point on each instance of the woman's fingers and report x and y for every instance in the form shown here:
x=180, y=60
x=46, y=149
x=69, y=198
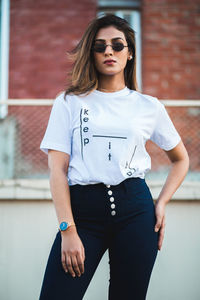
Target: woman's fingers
x=69, y=265
x=159, y=218
x=161, y=234
x=63, y=261
x=75, y=265
x=80, y=260
x=158, y=223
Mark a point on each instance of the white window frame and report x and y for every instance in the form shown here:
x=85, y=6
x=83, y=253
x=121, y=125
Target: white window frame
x=135, y=23
x=4, y=56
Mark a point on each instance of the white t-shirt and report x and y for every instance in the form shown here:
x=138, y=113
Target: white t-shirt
x=105, y=134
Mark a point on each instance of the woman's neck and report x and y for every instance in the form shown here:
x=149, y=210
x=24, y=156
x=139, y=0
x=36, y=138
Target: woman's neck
x=110, y=85
x=109, y=90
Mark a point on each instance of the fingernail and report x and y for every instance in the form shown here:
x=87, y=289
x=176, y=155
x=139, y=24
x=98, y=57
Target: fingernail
x=156, y=229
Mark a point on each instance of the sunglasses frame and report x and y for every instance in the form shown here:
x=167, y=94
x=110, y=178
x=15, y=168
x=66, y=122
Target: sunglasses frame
x=111, y=46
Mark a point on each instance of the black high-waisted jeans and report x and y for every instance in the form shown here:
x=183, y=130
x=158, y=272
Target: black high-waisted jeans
x=118, y=218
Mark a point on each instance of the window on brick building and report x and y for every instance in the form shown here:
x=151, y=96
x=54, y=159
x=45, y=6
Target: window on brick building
x=130, y=11
x=4, y=55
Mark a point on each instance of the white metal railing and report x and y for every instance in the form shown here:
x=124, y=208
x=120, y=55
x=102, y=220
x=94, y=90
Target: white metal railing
x=48, y=102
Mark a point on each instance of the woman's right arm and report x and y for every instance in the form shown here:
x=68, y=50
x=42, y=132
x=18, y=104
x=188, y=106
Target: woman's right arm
x=72, y=249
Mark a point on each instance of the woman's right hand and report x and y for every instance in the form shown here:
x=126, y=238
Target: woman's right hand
x=72, y=252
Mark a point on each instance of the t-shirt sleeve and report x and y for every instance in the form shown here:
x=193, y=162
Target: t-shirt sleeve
x=164, y=134
x=58, y=131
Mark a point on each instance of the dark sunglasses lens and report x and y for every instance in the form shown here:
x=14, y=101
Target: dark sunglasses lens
x=102, y=47
x=118, y=47
x=99, y=48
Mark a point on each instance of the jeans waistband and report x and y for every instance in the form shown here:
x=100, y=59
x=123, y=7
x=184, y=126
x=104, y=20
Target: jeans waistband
x=123, y=183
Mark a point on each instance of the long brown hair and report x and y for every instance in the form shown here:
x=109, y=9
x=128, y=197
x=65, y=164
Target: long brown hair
x=83, y=78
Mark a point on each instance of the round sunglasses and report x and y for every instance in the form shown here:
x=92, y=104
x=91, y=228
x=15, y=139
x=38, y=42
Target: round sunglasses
x=102, y=47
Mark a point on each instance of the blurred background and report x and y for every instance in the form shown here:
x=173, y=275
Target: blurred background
x=34, y=39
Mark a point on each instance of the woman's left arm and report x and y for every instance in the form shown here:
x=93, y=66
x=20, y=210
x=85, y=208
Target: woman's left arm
x=180, y=165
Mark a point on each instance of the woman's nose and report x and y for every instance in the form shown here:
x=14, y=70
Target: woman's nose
x=108, y=49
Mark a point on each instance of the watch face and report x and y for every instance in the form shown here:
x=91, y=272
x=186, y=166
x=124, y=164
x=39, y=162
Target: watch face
x=63, y=226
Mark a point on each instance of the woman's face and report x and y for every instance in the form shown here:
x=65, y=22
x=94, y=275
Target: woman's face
x=111, y=35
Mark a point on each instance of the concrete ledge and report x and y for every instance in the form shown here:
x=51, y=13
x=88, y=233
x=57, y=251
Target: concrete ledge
x=39, y=189
x=25, y=189
x=189, y=190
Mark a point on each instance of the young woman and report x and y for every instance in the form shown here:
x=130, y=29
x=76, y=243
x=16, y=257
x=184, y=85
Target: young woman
x=95, y=140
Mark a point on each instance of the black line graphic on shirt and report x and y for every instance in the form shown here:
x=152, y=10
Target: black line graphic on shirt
x=81, y=133
x=131, y=170
x=86, y=140
x=109, y=143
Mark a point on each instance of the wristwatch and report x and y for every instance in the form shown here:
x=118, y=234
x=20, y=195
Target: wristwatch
x=64, y=225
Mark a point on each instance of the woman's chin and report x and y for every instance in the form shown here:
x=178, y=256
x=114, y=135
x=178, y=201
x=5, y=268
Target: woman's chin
x=109, y=73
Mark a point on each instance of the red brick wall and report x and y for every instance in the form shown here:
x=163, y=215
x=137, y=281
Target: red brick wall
x=40, y=34
x=42, y=31
x=170, y=57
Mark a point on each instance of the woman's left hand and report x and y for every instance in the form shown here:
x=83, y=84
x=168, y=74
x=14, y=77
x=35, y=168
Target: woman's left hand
x=160, y=222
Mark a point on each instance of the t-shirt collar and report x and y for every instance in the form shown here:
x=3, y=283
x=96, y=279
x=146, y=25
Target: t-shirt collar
x=121, y=92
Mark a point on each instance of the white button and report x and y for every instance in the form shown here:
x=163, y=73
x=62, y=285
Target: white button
x=108, y=186
x=113, y=212
x=111, y=199
x=109, y=192
x=112, y=205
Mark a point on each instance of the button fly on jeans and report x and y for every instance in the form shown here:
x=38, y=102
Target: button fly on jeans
x=111, y=199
